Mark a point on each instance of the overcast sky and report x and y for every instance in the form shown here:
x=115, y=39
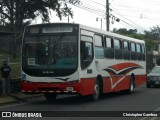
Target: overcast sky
x=133, y=14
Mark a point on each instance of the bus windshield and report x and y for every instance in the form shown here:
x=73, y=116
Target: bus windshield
x=50, y=52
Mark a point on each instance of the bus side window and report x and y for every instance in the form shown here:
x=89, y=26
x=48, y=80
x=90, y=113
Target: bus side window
x=99, y=50
x=109, y=51
x=139, y=51
x=118, y=49
x=126, y=52
x=133, y=51
x=86, y=54
x=143, y=53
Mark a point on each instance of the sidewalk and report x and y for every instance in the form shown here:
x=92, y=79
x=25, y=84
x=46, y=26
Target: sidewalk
x=11, y=98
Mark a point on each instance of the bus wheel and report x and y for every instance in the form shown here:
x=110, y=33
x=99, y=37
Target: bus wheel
x=131, y=87
x=50, y=96
x=148, y=85
x=96, y=93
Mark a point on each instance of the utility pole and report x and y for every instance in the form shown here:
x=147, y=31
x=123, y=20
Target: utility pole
x=107, y=15
x=68, y=18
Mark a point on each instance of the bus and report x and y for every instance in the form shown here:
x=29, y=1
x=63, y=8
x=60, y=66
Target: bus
x=68, y=58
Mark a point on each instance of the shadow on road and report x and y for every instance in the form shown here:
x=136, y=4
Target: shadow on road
x=77, y=99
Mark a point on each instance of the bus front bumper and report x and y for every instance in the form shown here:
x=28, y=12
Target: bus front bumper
x=52, y=87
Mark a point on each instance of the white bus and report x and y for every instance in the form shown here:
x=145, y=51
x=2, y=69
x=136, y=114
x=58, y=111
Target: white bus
x=59, y=58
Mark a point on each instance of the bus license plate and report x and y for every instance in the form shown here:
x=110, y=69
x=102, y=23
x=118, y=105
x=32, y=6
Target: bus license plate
x=69, y=88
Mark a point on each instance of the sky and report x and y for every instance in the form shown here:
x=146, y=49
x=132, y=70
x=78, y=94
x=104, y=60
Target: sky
x=133, y=14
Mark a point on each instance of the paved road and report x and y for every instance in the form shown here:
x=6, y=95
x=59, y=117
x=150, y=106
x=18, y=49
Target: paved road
x=142, y=99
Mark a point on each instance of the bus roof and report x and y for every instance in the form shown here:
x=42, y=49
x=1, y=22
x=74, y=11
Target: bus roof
x=95, y=30
x=111, y=34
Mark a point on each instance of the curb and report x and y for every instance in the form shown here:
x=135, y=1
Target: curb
x=11, y=98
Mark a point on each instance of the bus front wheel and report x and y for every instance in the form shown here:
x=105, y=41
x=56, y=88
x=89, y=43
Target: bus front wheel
x=50, y=96
x=96, y=93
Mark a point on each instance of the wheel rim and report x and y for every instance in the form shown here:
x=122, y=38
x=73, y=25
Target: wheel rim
x=96, y=90
x=132, y=86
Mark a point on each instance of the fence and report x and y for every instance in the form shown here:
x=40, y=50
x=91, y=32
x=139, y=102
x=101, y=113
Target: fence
x=14, y=86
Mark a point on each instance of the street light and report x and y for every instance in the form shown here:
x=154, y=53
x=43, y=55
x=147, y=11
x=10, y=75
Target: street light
x=100, y=20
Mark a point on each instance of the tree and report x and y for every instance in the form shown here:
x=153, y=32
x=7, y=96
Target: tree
x=124, y=31
x=153, y=34
x=19, y=12
x=152, y=37
x=149, y=36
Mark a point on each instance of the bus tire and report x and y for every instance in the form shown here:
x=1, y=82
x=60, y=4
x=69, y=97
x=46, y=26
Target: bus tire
x=51, y=97
x=131, y=86
x=148, y=85
x=96, y=94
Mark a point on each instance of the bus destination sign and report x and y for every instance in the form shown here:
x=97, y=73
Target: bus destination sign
x=57, y=29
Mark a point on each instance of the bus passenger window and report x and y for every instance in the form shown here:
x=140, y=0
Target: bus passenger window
x=139, y=51
x=99, y=50
x=138, y=48
x=98, y=40
x=108, y=42
x=143, y=52
x=126, y=45
x=133, y=47
x=126, y=52
x=117, y=44
x=109, y=51
x=133, y=51
x=118, y=49
x=143, y=49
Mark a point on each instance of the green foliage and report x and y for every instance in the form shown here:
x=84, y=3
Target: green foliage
x=149, y=36
x=124, y=31
x=150, y=45
x=137, y=36
x=152, y=37
x=19, y=12
x=153, y=34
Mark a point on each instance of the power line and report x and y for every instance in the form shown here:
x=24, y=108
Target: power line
x=97, y=3
x=131, y=8
x=132, y=23
x=88, y=7
x=92, y=10
x=135, y=25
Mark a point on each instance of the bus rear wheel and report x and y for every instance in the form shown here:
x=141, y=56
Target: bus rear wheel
x=50, y=97
x=131, y=86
